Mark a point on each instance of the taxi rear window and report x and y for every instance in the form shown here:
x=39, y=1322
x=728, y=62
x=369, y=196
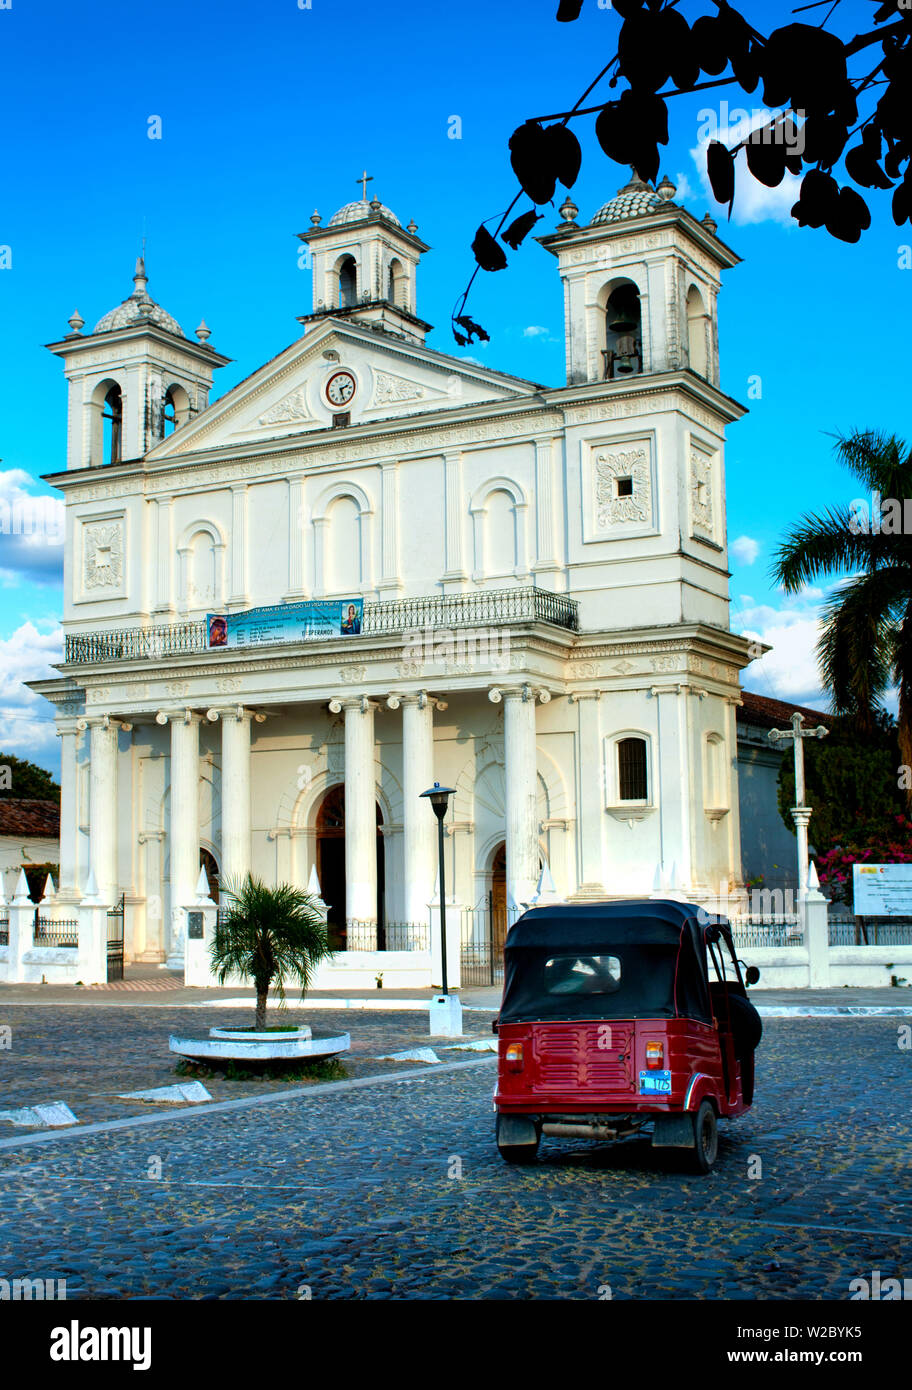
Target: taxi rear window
x=574, y=974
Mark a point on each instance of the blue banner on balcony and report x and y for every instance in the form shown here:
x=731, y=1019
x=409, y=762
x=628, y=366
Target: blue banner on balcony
x=285, y=622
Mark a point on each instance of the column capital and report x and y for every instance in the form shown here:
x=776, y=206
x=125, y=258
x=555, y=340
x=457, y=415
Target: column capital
x=358, y=702
x=100, y=721
x=240, y=713
x=576, y=696
x=524, y=692
x=178, y=716
x=414, y=697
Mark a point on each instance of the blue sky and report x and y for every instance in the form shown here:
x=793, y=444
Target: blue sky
x=269, y=111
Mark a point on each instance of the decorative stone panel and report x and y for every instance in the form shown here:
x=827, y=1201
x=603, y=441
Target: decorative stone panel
x=102, y=565
x=619, y=497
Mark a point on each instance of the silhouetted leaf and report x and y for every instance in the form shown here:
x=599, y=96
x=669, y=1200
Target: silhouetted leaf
x=902, y=202
x=720, y=168
x=709, y=41
x=746, y=67
x=566, y=155
x=817, y=199
x=613, y=132
x=473, y=329
x=766, y=158
x=824, y=140
x=862, y=161
x=532, y=161
x=520, y=229
x=488, y=254
x=644, y=54
x=568, y=10
x=848, y=216
x=801, y=66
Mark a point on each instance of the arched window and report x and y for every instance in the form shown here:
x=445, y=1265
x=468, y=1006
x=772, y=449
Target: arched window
x=623, y=330
x=348, y=283
x=112, y=425
x=396, y=285
x=176, y=411
x=697, y=332
x=632, y=770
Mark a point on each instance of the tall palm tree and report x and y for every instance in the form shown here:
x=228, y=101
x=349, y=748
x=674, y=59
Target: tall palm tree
x=269, y=935
x=866, y=644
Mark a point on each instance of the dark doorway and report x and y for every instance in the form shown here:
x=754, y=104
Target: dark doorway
x=331, y=865
x=208, y=862
x=499, y=899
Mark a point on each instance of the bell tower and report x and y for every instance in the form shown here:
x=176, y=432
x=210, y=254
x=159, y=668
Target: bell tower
x=132, y=380
x=641, y=283
x=365, y=268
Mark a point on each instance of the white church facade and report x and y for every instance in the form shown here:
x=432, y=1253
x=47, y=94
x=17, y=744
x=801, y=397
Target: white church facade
x=519, y=591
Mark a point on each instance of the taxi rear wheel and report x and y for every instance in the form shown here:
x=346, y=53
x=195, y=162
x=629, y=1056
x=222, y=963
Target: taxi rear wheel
x=706, y=1138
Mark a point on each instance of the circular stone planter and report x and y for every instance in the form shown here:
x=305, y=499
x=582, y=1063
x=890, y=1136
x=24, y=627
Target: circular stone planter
x=228, y=1044
x=294, y=1034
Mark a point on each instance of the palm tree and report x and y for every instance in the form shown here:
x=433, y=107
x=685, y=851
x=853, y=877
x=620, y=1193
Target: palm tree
x=866, y=644
x=269, y=935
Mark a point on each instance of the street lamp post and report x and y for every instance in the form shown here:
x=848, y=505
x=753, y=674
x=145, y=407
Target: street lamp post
x=446, y=1017
x=439, y=798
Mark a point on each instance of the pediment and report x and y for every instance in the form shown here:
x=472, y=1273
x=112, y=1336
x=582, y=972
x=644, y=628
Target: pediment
x=287, y=397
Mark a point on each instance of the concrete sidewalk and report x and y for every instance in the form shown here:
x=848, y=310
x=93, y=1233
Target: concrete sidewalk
x=152, y=987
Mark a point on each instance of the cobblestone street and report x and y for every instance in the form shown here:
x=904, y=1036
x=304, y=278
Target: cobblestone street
x=395, y=1188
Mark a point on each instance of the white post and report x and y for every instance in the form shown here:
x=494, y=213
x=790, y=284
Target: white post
x=814, y=909
x=69, y=734
x=418, y=819
x=521, y=791
x=591, y=798
x=184, y=827
x=360, y=812
x=21, y=913
x=103, y=806
x=201, y=917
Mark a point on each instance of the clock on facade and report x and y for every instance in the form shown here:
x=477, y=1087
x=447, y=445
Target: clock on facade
x=340, y=388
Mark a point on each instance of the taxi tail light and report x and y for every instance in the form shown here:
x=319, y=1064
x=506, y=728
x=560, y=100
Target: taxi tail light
x=655, y=1056
x=513, y=1056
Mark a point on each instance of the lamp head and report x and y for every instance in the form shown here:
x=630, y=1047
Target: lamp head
x=439, y=798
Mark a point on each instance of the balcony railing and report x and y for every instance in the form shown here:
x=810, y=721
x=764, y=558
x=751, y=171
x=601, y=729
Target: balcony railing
x=484, y=607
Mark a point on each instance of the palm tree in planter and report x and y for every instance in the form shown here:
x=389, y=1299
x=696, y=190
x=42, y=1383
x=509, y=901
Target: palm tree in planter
x=866, y=641
x=269, y=936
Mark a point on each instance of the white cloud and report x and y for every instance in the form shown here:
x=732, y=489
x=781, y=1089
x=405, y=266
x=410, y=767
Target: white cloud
x=745, y=550
x=790, y=670
x=535, y=330
x=754, y=202
x=31, y=531
x=26, y=720
x=685, y=189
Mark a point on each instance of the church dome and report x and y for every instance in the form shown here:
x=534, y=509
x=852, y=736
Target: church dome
x=359, y=211
x=636, y=199
x=140, y=307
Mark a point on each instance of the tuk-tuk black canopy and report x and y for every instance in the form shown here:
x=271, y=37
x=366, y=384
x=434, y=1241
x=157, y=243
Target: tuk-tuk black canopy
x=639, y=959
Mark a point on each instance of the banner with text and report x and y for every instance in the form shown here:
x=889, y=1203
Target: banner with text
x=286, y=622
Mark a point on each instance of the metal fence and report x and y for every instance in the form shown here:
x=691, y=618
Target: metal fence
x=483, y=931
x=50, y=933
x=386, y=936
x=4, y=931
x=870, y=931
x=483, y=607
x=762, y=931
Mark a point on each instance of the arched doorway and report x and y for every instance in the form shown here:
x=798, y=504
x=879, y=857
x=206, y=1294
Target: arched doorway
x=330, y=828
x=209, y=863
x=498, y=898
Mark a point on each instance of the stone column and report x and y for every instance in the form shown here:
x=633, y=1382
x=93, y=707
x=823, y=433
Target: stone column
x=183, y=831
x=235, y=722
x=521, y=791
x=674, y=762
x=419, y=823
x=103, y=806
x=590, y=795
x=69, y=886
x=360, y=810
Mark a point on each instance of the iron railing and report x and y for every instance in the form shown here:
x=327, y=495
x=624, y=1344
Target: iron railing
x=385, y=936
x=4, y=931
x=51, y=933
x=870, y=931
x=493, y=607
x=749, y=931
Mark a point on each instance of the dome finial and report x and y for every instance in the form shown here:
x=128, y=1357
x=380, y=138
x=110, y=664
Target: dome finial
x=140, y=279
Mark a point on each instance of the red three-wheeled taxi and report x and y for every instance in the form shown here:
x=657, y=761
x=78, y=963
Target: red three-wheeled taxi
x=618, y=1016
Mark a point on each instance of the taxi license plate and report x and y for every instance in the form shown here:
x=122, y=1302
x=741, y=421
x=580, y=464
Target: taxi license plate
x=655, y=1083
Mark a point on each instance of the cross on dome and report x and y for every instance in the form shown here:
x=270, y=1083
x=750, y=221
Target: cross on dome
x=364, y=179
